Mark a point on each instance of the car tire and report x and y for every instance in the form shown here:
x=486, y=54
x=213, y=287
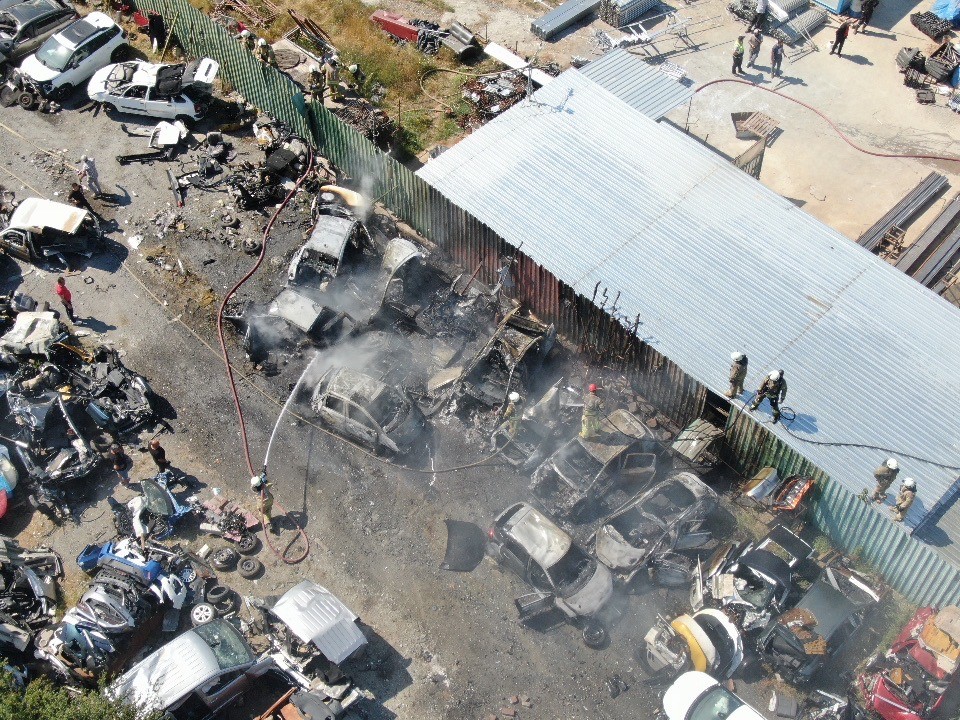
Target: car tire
x=224, y=558
x=202, y=613
x=216, y=594
x=28, y=101
x=110, y=108
x=250, y=568
x=248, y=544
x=595, y=635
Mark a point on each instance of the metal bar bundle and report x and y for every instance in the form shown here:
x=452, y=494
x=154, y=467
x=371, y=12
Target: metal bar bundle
x=562, y=17
x=917, y=254
x=901, y=213
x=621, y=12
x=931, y=269
x=806, y=22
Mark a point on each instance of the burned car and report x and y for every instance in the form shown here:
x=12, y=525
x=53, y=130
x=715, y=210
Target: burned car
x=28, y=594
x=706, y=641
x=364, y=409
x=910, y=681
x=335, y=242
x=529, y=544
x=799, y=641
x=211, y=668
x=33, y=333
x=502, y=365
x=583, y=473
x=116, y=398
x=40, y=229
x=666, y=517
x=753, y=581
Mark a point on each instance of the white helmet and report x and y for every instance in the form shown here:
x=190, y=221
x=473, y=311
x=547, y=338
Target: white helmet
x=892, y=464
x=513, y=397
x=314, y=67
x=255, y=482
x=261, y=42
x=352, y=68
x=737, y=356
x=910, y=484
x=244, y=33
x=775, y=374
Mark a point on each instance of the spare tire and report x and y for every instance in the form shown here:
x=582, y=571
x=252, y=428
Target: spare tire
x=27, y=100
x=250, y=568
x=224, y=558
x=595, y=635
x=248, y=544
x=217, y=593
x=202, y=613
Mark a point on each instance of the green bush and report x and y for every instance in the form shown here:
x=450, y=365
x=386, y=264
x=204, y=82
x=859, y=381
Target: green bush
x=42, y=700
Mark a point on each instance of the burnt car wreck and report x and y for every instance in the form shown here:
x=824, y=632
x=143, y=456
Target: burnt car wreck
x=28, y=595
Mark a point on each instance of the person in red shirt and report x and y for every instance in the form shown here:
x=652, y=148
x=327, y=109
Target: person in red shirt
x=65, y=297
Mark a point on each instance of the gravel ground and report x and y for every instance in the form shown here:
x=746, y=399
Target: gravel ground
x=445, y=645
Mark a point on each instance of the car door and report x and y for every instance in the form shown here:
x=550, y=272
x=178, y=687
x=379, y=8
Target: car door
x=100, y=51
x=159, y=106
x=362, y=425
x=132, y=100
x=16, y=243
x=224, y=688
x=26, y=41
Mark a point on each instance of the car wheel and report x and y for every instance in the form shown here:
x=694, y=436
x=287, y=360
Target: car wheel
x=248, y=544
x=595, y=635
x=250, y=568
x=216, y=594
x=202, y=613
x=27, y=101
x=110, y=108
x=224, y=558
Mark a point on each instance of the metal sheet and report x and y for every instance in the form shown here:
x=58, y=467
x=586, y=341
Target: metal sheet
x=640, y=85
x=681, y=250
x=562, y=17
x=316, y=615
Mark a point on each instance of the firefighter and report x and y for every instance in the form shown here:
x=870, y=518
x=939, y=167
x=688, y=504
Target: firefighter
x=511, y=419
x=885, y=475
x=738, y=373
x=331, y=71
x=774, y=389
x=905, y=498
x=259, y=484
x=590, y=422
x=265, y=53
x=248, y=40
x=315, y=81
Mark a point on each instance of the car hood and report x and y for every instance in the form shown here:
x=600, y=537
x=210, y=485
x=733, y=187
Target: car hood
x=36, y=70
x=592, y=597
x=98, y=83
x=685, y=690
x=616, y=553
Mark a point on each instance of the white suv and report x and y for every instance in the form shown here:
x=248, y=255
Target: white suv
x=71, y=56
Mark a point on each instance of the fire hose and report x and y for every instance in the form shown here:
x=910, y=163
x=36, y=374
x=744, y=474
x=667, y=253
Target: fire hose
x=301, y=533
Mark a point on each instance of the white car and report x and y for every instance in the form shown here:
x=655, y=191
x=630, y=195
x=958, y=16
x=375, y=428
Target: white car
x=697, y=696
x=173, y=92
x=70, y=57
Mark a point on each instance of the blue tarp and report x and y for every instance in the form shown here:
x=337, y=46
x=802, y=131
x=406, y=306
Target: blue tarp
x=947, y=10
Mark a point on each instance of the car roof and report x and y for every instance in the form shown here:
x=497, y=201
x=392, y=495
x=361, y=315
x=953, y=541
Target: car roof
x=35, y=214
x=829, y=606
x=356, y=386
x=686, y=690
x=330, y=236
x=546, y=543
x=168, y=674
x=82, y=30
x=28, y=10
x=316, y=615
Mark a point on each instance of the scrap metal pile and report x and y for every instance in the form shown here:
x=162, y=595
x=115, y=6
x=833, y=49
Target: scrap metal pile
x=28, y=595
x=368, y=119
x=490, y=96
x=931, y=25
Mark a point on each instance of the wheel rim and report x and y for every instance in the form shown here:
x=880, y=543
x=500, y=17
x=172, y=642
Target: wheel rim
x=203, y=614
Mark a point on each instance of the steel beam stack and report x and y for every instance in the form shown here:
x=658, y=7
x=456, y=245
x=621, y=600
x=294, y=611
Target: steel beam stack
x=562, y=17
x=623, y=12
x=901, y=213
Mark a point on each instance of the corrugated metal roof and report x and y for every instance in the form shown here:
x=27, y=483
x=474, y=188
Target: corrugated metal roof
x=640, y=85
x=712, y=261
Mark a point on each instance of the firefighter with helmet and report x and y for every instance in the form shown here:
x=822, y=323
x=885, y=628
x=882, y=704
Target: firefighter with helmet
x=590, y=421
x=885, y=476
x=259, y=485
x=774, y=389
x=905, y=498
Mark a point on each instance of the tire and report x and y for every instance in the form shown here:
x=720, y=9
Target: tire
x=224, y=558
x=110, y=109
x=248, y=544
x=226, y=606
x=595, y=635
x=216, y=594
x=202, y=613
x=249, y=568
x=27, y=101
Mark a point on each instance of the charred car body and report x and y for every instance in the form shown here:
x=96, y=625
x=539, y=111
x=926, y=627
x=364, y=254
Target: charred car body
x=911, y=681
x=799, y=641
x=754, y=581
x=582, y=473
x=40, y=229
x=649, y=527
x=28, y=595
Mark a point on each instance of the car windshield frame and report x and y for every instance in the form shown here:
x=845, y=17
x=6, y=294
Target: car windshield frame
x=53, y=48
x=572, y=571
x=227, y=644
x=709, y=706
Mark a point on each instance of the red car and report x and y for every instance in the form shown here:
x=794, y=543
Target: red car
x=911, y=681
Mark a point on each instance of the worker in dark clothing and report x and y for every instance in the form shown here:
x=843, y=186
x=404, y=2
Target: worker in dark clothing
x=738, y=56
x=590, y=422
x=76, y=198
x=885, y=476
x=738, y=373
x=159, y=455
x=776, y=58
x=866, y=13
x=841, y=37
x=905, y=498
x=774, y=389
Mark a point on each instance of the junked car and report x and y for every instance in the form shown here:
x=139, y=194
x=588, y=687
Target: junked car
x=706, y=642
x=798, y=642
x=697, y=696
x=40, y=229
x=582, y=473
x=24, y=25
x=667, y=517
x=364, y=409
x=72, y=55
x=526, y=542
x=335, y=242
x=203, y=672
x=754, y=581
x=173, y=92
x=28, y=594
x=911, y=680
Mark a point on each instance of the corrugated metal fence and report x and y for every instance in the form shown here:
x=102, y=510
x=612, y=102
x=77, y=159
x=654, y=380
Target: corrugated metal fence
x=590, y=323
